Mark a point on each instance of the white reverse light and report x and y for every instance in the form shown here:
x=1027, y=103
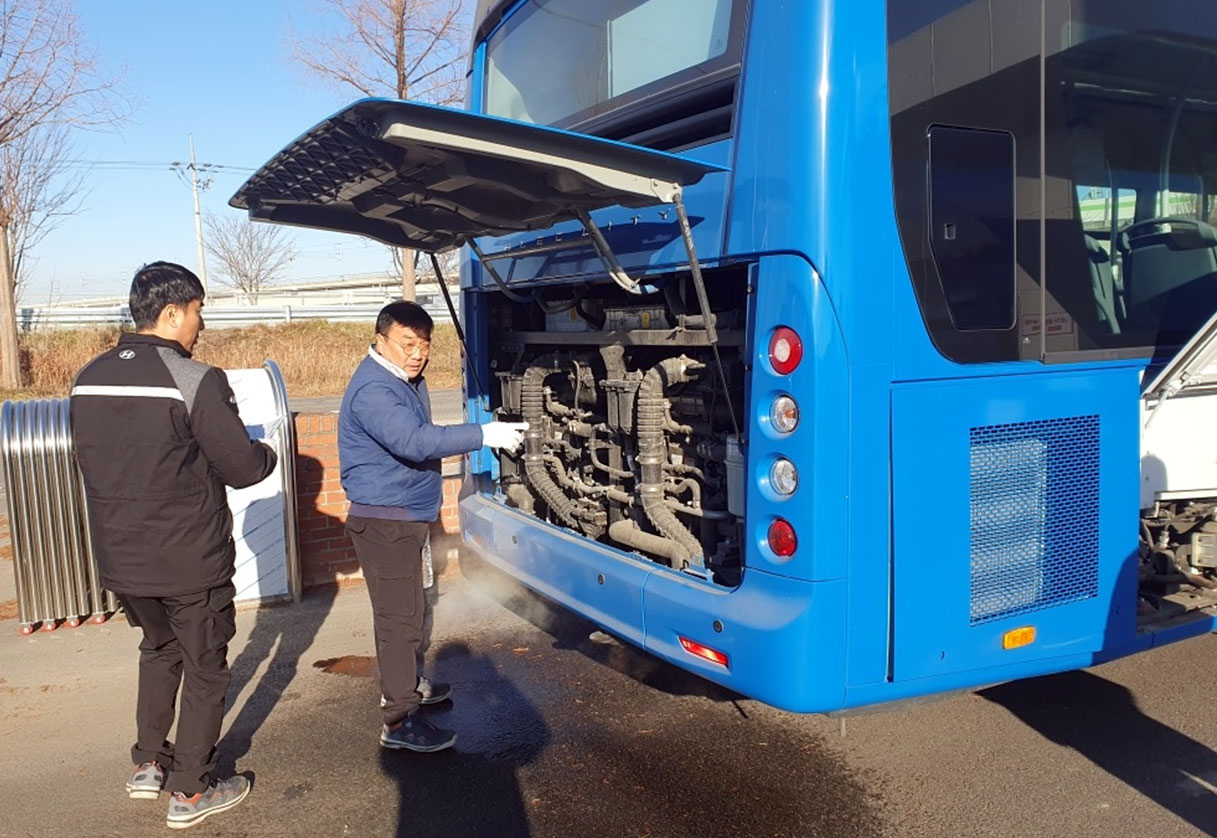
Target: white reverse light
x=783, y=476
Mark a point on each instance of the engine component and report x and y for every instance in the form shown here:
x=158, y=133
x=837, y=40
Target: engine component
x=1178, y=557
x=625, y=443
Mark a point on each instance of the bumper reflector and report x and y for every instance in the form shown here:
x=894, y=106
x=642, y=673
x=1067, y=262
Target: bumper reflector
x=1018, y=637
x=712, y=655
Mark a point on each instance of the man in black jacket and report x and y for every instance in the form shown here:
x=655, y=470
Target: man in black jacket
x=157, y=437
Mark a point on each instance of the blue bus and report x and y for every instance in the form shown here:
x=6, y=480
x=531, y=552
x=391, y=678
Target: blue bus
x=863, y=344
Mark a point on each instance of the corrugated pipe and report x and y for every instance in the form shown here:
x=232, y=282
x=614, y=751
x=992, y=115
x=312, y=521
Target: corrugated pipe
x=532, y=400
x=627, y=533
x=653, y=449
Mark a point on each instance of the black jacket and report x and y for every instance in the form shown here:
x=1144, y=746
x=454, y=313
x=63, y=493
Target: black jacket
x=157, y=437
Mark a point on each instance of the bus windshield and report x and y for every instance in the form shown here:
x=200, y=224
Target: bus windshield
x=563, y=62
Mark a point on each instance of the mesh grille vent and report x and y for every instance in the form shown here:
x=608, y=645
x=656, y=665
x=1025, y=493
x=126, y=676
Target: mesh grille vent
x=1034, y=516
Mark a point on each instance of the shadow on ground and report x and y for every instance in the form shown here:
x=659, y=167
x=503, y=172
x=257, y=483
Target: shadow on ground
x=1101, y=721
x=472, y=789
x=279, y=638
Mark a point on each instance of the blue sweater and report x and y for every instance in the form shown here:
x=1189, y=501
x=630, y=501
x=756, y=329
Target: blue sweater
x=388, y=448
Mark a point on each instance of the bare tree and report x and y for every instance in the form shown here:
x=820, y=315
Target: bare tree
x=251, y=255
x=411, y=49
x=38, y=189
x=49, y=82
x=449, y=265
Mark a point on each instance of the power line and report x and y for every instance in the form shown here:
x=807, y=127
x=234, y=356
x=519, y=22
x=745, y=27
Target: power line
x=154, y=165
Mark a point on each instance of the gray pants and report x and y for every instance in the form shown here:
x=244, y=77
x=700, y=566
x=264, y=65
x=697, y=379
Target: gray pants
x=390, y=554
x=185, y=644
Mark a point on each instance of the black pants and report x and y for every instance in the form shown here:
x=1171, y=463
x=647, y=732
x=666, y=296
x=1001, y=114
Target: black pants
x=390, y=554
x=185, y=643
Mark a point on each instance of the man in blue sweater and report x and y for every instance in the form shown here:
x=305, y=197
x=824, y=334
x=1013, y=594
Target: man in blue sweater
x=390, y=453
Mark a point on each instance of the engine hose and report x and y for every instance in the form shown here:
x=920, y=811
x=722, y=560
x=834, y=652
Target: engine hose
x=532, y=400
x=686, y=485
x=556, y=407
x=672, y=425
x=585, y=510
x=652, y=448
x=1193, y=577
x=626, y=532
x=594, y=445
x=518, y=494
x=698, y=512
x=572, y=483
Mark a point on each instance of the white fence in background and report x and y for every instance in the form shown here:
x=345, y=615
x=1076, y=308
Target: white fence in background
x=33, y=318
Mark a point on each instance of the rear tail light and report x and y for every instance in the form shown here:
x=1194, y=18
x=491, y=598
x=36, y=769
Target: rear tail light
x=782, y=540
x=785, y=350
x=695, y=648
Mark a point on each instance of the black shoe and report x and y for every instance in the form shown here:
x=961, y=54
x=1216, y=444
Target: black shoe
x=413, y=733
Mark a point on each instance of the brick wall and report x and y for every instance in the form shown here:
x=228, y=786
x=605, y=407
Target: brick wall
x=326, y=554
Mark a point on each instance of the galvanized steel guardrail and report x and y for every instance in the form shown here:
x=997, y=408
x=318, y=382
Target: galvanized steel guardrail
x=287, y=469
x=30, y=319
x=55, y=569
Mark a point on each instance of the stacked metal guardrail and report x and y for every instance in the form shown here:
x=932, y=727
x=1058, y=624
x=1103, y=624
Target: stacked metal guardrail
x=55, y=569
x=29, y=319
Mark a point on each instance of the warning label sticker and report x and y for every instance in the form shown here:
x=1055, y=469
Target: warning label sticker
x=1055, y=324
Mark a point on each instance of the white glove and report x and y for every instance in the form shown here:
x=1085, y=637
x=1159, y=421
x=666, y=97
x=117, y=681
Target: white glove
x=505, y=435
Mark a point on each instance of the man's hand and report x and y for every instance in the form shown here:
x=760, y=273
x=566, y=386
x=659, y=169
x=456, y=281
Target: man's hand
x=504, y=435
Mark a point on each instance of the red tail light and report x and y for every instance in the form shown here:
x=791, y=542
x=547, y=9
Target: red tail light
x=782, y=539
x=785, y=350
x=712, y=655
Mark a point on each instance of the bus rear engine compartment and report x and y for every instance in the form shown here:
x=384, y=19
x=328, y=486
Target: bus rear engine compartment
x=631, y=440
x=1178, y=566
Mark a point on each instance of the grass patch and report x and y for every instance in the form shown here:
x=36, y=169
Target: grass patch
x=316, y=357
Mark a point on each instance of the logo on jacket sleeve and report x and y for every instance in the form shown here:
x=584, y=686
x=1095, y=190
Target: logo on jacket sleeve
x=127, y=354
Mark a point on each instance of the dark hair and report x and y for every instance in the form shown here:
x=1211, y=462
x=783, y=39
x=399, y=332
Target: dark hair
x=159, y=284
x=411, y=315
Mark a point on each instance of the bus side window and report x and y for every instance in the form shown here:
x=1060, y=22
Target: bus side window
x=971, y=215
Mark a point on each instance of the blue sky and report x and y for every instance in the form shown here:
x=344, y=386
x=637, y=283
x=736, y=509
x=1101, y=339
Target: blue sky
x=220, y=71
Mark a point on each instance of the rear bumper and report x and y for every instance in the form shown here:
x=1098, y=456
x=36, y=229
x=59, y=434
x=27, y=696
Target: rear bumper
x=780, y=650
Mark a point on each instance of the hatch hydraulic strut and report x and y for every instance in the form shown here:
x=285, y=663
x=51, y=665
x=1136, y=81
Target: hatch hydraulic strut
x=460, y=333
x=703, y=300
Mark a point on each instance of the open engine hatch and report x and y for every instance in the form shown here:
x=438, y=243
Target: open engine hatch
x=432, y=178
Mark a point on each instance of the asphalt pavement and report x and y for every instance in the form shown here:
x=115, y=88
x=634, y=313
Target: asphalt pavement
x=561, y=736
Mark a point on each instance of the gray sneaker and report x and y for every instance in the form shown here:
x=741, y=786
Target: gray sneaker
x=433, y=692
x=147, y=781
x=220, y=795
x=414, y=733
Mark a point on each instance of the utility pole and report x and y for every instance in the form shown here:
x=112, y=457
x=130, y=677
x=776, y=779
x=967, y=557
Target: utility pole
x=198, y=217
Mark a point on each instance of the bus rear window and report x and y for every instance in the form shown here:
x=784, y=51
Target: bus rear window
x=571, y=63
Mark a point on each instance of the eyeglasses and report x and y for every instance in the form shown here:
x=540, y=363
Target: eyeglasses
x=422, y=347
